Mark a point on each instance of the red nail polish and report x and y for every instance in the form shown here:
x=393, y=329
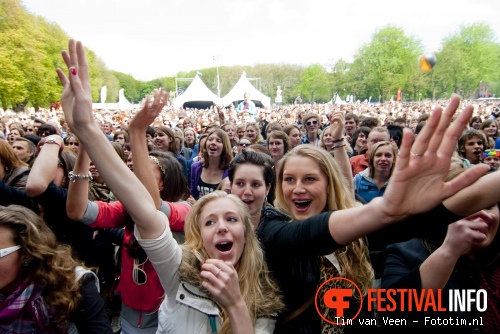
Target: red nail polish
x=204, y=261
x=73, y=71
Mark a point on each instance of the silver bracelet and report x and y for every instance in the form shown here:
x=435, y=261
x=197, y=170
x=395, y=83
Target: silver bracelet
x=73, y=177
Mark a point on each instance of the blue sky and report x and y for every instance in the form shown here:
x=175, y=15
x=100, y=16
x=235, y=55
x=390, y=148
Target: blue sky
x=155, y=38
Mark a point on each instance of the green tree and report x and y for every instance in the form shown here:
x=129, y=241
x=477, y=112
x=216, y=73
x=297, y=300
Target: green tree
x=287, y=76
x=466, y=58
x=131, y=86
x=54, y=40
x=338, y=77
x=30, y=50
x=99, y=76
x=387, y=62
x=313, y=82
x=22, y=58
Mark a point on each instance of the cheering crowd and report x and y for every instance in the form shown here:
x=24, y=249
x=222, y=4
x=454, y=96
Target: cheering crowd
x=229, y=220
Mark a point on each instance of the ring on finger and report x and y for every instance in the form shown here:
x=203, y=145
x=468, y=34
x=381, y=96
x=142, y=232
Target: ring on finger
x=415, y=154
x=217, y=274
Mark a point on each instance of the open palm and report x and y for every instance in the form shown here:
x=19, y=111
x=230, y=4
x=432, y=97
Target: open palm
x=417, y=184
x=150, y=110
x=76, y=98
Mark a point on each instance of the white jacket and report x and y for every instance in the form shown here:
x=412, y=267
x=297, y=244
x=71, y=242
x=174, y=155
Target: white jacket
x=185, y=309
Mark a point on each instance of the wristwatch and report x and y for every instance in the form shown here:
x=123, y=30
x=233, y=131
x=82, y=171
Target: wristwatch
x=73, y=177
x=53, y=140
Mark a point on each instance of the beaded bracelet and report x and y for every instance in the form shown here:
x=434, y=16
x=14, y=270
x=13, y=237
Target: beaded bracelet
x=73, y=177
x=338, y=146
x=337, y=140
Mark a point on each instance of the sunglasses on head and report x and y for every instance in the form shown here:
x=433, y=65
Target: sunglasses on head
x=312, y=123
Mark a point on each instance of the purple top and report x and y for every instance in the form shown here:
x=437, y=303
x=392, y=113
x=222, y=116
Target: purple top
x=196, y=169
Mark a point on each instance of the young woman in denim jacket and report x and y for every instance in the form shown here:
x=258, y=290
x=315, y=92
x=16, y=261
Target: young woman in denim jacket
x=373, y=181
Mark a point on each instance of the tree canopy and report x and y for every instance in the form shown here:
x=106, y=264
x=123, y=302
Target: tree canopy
x=468, y=57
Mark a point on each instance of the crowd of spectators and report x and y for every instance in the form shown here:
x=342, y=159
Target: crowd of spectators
x=317, y=165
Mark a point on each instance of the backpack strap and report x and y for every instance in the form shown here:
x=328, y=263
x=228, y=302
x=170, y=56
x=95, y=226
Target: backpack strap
x=296, y=313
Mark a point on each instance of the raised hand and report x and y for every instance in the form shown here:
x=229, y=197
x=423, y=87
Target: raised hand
x=77, y=104
x=462, y=235
x=76, y=98
x=337, y=124
x=152, y=105
x=151, y=108
x=417, y=184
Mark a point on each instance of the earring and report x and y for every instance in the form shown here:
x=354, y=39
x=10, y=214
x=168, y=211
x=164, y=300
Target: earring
x=26, y=263
x=265, y=200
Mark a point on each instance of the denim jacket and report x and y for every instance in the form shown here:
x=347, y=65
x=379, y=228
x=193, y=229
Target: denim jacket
x=365, y=187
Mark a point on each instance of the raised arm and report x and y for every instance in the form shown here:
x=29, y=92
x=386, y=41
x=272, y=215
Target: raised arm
x=481, y=194
x=78, y=112
x=45, y=166
x=137, y=130
x=340, y=154
x=417, y=184
x=436, y=270
x=221, y=114
x=78, y=191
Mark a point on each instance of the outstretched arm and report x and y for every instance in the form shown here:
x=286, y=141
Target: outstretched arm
x=78, y=112
x=137, y=130
x=481, y=194
x=417, y=184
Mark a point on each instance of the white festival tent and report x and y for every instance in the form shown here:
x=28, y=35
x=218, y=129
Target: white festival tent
x=337, y=101
x=197, y=95
x=123, y=103
x=243, y=85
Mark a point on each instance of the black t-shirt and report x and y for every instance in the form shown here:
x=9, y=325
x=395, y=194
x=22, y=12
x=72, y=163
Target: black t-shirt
x=206, y=188
x=74, y=233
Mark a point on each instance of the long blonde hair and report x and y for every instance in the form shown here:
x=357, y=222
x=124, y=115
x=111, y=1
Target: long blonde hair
x=260, y=292
x=353, y=258
x=258, y=136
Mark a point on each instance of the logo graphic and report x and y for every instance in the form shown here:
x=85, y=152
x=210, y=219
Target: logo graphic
x=334, y=297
